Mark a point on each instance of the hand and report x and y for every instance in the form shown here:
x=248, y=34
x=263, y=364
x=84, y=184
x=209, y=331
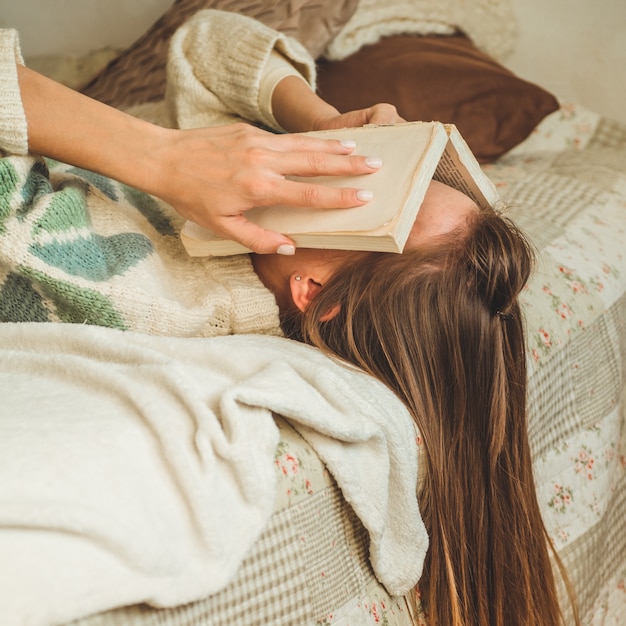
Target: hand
x=210, y=175
x=214, y=175
x=377, y=114
x=299, y=109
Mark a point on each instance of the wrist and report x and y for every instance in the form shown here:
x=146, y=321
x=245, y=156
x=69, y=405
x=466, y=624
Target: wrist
x=134, y=154
x=142, y=158
x=161, y=159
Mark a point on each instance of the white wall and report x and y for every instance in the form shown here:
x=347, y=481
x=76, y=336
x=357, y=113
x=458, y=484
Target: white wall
x=74, y=27
x=575, y=48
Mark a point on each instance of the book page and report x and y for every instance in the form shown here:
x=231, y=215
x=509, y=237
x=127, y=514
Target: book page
x=459, y=168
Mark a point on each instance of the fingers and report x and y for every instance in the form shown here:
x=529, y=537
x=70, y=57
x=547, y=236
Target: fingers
x=297, y=194
x=251, y=138
x=320, y=164
x=302, y=155
x=381, y=113
x=277, y=184
x=384, y=114
x=306, y=143
x=262, y=241
x=298, y=155
x=236, y=168
x=303, y=194
x=255, y=238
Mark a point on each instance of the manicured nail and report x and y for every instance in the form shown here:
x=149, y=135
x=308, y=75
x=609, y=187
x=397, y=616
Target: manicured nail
x=286, y=249
x=374, y=162
x=348, y=143
x=364, y=195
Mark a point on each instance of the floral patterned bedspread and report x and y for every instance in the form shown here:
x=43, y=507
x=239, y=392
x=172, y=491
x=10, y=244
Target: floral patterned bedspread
x=566, y=187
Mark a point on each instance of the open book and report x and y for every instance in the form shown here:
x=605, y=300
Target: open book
x=413, y=153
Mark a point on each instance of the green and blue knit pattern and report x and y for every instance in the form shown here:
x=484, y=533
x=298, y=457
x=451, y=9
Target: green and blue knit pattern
x=69, y=241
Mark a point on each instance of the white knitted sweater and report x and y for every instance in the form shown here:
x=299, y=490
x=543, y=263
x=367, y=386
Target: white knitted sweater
x=77, y=247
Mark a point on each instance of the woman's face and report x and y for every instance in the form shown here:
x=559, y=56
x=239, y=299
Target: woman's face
x=443, y=210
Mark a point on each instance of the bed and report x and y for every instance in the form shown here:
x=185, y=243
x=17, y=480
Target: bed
x=562, y=171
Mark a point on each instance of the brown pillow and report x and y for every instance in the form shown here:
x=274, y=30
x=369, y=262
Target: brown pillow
x=440, y=78
x=138, y=74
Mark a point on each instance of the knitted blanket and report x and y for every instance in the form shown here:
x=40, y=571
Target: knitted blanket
x=78, y=247
x=491, y=24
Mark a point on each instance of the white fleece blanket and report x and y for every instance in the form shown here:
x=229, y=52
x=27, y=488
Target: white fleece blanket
x=140, y=469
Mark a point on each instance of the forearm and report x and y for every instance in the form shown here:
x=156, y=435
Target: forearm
x=72, y=128
x=209, y=175
x=297, y=108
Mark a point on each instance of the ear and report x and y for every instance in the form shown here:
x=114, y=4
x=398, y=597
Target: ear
x=303, y=290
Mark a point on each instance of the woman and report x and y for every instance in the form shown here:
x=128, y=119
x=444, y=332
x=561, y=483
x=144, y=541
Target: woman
x=440, y=324
x=93, y=250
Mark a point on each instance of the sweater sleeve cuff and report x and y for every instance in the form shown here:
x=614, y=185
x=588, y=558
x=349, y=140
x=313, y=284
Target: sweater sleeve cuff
x=13, y=127
x=221, y=56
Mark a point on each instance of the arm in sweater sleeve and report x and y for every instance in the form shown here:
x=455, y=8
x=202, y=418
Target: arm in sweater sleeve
x=216, y=66
x=13, y=128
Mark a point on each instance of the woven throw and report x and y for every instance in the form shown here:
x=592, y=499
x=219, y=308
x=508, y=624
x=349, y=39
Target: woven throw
x=309, y=563
x=138, y=74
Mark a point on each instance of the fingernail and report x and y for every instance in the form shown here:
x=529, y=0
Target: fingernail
x=348, y=143
x=364, y=195
x=374, y=162
x=286, y=249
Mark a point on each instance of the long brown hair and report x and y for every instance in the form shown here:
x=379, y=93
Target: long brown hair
x=442, y=327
